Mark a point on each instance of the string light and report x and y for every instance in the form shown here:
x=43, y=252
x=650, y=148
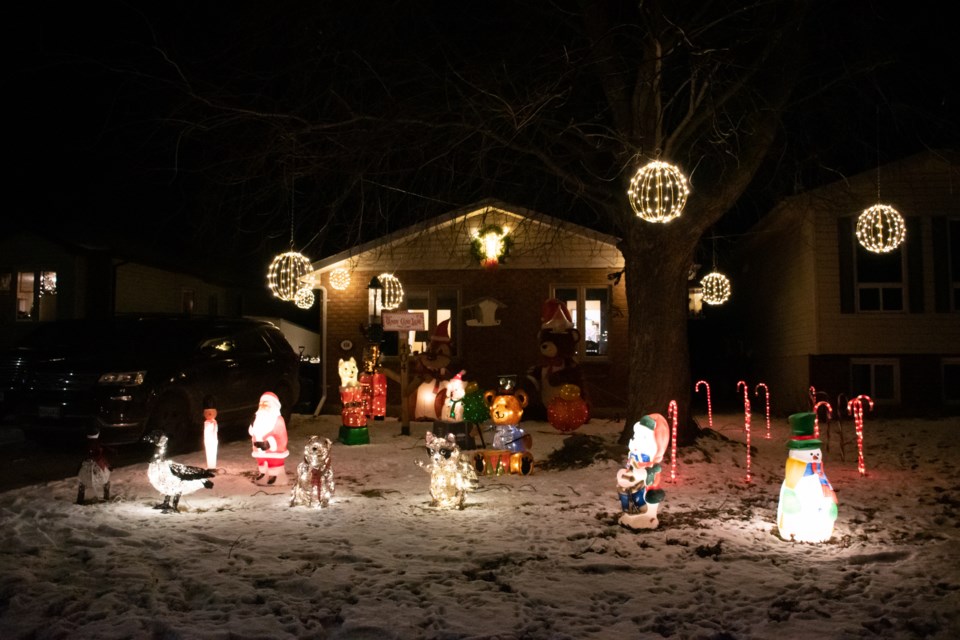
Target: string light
x=658, y=192
x=746, y=421
x=304, y=298
x=816, y=416
x=696, y=388
x=766, y=393
x=855, y=407
x=881, y=229
x=283, y=276
x=672, y=413
x=340, y=279
x=392, y=291
x=716, y=288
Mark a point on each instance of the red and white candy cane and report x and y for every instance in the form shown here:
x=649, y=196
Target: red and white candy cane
x=672, y=414
x=696, y=388
x=813, y=396
x=816, y=416
x=855, y=407
x=746, y=420
x=766, y=393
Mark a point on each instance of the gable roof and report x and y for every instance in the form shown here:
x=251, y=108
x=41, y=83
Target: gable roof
x=444, y=242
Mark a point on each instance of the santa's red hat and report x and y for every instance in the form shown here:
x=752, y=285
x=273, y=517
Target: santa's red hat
x=555, y=317
x=441, y=333
x=271, y=398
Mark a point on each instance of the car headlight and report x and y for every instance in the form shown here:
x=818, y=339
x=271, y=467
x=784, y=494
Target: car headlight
x=123, y=378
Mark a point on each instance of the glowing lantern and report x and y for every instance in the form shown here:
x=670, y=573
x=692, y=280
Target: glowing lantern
x=304, y=298
x=392, y=291
x=716, y=288
x=881, y=229
x=340, y=279
x=283, y=276
x=808, y=505
x=567, y=411
x=491, y=245
x=658, y=192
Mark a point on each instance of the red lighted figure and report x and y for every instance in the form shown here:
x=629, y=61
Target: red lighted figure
x=268, y=435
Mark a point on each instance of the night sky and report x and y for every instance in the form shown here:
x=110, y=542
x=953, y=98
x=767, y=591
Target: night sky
x=111, y=141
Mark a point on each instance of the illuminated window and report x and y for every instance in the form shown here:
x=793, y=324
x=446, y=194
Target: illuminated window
x=878, y=378
x=436, y=305
x=590, y=310
x=36, y=296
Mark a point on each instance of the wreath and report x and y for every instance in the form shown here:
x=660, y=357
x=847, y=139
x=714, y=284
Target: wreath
x=476, y=247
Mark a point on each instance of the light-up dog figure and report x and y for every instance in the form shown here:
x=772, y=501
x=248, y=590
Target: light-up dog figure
x=451, y=476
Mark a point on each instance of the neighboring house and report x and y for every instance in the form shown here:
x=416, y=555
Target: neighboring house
x=42, y=280
x=494, y=314
x=818, y=310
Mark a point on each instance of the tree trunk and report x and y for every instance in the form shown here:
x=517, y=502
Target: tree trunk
x=656, y=262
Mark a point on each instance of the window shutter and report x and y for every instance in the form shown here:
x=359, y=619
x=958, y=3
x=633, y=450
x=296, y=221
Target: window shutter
x=914, y=248
x=845, y=255
x=941, y=265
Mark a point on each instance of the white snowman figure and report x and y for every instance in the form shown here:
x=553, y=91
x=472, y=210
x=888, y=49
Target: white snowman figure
x=452, y=410
x=808, y=505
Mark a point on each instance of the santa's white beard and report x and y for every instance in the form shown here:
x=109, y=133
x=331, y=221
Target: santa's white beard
x=263, y=423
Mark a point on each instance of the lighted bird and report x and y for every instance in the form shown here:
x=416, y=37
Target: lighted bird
x=173, y=479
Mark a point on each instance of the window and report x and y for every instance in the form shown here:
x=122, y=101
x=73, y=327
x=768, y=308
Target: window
x=951, y=380
x=879, y=279
x=878, y=378
x=36, y=296
x=590, y=310
x=436, y=305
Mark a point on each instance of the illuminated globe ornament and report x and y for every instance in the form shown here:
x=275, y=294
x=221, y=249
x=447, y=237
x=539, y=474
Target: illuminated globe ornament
x=304, y=298
x=392, y=291
x=658, y=192
x=340, y=279
x=716, y=288
x=881, y=229
x=283, y=276
x=567, y=411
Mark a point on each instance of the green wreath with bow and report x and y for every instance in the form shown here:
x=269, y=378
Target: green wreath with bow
x=476, y=247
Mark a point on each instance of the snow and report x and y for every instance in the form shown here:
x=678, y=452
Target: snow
x=538, y=556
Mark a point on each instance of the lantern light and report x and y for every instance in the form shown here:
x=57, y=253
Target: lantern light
x=340, y=279
x=658, y=192
x=716, y=288
x=881, y=229
x=392, y=291
x=304, y=298
x=285, y=272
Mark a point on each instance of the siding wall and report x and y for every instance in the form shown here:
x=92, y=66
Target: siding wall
x=143, y=289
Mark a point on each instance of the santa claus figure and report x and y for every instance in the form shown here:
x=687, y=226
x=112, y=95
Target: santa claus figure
x=268, y=433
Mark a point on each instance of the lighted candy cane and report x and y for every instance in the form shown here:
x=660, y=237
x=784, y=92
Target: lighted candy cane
x=855, y=407
x=766, y=392
x=746, y=420
x=696, y=388
x=816, y=416
x=813, y=396
x=672, y=414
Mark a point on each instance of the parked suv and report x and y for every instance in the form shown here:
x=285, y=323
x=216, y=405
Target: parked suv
x=127, y=376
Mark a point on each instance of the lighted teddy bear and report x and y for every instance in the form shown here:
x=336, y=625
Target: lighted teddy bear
x=638, y=484
x=451, y=476
x=558, y=346
x=511, y=444
x=315, y=484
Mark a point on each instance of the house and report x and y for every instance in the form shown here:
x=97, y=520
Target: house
x=817, y=309
x=493, y=308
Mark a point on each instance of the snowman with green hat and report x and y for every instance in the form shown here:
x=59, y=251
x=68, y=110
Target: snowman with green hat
x=808, y=505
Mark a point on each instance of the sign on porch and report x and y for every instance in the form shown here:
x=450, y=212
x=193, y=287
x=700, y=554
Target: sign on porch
x=403, y=321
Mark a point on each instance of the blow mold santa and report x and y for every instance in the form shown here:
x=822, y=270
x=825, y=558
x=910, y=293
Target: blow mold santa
x=268, y=433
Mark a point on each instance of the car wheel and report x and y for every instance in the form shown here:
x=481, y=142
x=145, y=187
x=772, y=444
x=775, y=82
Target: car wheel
x=172, y=416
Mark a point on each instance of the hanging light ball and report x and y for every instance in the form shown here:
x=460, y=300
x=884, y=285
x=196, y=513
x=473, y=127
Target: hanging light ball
x=304, y=298
x=716, y=288
x=283, y=276
x=881, y=229
x=340, y=279
x=392, y=291
x=658, y=192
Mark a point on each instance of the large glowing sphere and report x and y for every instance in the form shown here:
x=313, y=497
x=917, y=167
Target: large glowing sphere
x=340, y=279
x=392, y=291
x=716, y=288
x=304, y=298
x=881, y=229
x=658, y=192
x=283, y=276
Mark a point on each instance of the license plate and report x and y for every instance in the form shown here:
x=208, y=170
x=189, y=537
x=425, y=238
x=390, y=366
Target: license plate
x=49, y=412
